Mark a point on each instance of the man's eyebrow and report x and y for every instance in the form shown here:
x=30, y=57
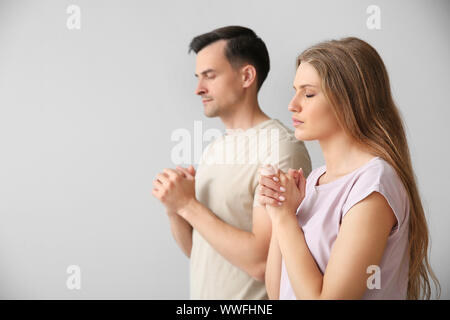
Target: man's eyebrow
x=205, y=72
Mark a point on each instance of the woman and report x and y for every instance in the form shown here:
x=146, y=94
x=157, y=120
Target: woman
x=363, y=233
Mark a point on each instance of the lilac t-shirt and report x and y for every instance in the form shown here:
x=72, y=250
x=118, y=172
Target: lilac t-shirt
x=323, y=208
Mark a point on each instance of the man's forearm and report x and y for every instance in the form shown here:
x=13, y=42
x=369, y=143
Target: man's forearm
x=239, y=247
x=182, y=232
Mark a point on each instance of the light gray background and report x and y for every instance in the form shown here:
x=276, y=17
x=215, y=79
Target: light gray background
x=86, y=118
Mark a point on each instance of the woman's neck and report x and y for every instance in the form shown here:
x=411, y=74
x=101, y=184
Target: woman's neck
x=342, y=155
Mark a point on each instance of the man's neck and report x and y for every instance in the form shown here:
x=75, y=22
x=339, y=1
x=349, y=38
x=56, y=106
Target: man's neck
x=245, y=117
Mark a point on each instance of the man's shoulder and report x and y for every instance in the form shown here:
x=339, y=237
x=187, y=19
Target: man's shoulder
x=285, y=148
x=278, y=131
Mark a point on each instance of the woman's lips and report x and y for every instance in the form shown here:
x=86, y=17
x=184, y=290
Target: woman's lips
x=296, y=122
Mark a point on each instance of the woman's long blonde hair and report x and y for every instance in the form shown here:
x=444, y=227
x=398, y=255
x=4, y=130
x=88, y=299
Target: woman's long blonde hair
x=356, y=83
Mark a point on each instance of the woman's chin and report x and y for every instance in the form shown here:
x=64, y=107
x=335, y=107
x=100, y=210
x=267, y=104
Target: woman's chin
x=299, y=135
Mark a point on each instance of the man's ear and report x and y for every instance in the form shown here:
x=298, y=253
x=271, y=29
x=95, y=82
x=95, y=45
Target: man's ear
x=248, y=73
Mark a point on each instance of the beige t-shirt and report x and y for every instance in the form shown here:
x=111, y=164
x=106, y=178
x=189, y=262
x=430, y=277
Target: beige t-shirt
x=226, y=182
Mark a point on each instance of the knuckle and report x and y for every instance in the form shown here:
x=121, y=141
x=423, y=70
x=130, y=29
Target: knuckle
x=263, y=190
x=274, y=185
x=272, y=193
x=262, y=180
x=269, y=192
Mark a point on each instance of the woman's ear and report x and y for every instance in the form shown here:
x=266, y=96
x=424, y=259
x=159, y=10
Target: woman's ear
x=248, y=75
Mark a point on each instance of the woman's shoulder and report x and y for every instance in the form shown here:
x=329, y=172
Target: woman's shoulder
x=379, y=171
x=381, y=177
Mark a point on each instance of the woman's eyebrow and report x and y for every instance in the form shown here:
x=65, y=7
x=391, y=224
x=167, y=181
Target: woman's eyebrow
x=305, y=85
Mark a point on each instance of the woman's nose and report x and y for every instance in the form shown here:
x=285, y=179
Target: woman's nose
x=294, y=105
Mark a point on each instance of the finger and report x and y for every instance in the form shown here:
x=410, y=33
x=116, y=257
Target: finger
x=297, y=179
x=283, y=178
x=164, y=179
x=271, y=177
x=301, y=176
x=294, y=175
x=263, y=200
x=300, y=172
x=269, y=183
x=158, y=194
x=155, y=193
x=157, y=184
x=180, y=170
x=191, y=170
x=267, y=170
x=184, y=172
x=271, y=194
x=302, y=181
x=173, y=174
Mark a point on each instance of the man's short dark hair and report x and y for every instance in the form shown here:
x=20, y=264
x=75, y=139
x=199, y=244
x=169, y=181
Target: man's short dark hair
x=243, y=46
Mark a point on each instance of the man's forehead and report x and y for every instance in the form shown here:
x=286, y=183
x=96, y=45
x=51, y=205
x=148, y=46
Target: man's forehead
x=215, y=47
x=213, y=53
x=211, y=58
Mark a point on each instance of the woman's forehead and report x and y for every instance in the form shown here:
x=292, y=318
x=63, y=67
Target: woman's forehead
x=306, y=75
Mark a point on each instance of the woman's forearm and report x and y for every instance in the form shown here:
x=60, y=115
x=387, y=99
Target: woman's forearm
x=273, y=269
x=304, y=275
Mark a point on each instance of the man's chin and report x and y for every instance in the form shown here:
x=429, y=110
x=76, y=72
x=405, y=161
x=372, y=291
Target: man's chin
x=211, y=113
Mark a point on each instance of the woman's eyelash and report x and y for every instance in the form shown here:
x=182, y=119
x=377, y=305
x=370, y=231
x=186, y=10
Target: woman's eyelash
x=309, y=95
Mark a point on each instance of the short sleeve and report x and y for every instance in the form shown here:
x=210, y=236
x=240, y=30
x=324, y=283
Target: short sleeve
x=384, y=180
x=292, y=154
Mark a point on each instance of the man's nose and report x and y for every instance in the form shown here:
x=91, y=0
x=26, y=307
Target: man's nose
x=200, y=90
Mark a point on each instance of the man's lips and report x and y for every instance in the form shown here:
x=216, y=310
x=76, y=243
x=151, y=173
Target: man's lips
x=206, y=100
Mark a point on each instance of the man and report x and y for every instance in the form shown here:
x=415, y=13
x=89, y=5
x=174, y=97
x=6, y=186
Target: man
x=214, y=215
